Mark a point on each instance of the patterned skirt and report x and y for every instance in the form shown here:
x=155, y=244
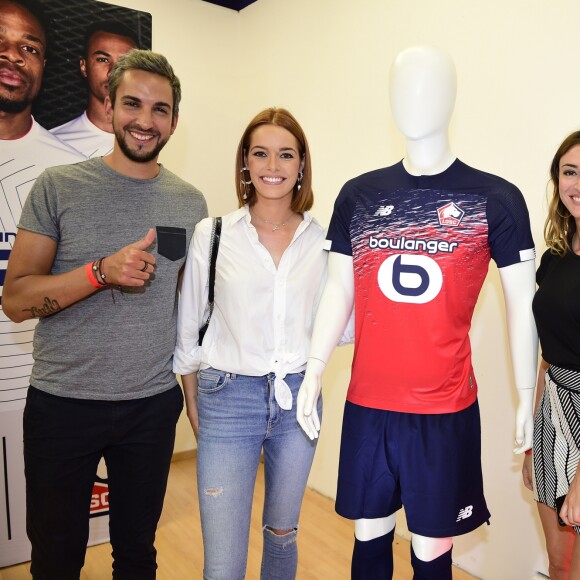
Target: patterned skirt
x=557, y=436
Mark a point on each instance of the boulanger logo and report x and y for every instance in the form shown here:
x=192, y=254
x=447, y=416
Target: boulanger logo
x=450, y=214
x=409, y=278
x=412, y=245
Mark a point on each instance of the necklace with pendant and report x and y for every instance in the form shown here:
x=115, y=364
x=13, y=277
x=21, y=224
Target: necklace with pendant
x=275, y=227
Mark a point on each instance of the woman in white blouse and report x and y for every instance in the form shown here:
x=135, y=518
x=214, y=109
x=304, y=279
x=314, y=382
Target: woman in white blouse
x=241, y=385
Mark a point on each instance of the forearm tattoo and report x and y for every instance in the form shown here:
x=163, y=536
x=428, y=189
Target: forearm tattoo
x=49, y=307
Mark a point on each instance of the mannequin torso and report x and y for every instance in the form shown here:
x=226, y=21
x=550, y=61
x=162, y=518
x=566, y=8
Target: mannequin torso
x=422, y=92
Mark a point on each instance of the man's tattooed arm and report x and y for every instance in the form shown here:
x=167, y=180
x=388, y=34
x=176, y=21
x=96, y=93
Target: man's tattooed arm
x=49, y=307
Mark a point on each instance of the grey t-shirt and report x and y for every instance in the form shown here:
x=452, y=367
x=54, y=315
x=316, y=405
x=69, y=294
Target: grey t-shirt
x=98, y=348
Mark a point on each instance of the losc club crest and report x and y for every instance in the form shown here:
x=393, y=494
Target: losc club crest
x=100, y=498
x=450, y=214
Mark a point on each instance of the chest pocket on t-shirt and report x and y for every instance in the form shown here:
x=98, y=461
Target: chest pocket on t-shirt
x=171, y=242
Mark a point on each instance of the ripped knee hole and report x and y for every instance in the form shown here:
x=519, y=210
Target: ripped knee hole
x=281, y=532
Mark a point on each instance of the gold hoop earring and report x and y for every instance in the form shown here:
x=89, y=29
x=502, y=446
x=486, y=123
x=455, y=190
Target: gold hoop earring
x=242, y=177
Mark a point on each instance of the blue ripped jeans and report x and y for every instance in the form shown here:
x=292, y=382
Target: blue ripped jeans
x=238, y=417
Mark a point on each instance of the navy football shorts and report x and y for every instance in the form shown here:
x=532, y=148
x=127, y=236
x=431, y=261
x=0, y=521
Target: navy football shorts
x=430, y=464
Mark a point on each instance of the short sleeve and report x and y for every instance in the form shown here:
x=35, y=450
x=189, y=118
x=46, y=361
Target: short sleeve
x=547, y=258
x=510, y=236
x=339, y=228
x=39, y=214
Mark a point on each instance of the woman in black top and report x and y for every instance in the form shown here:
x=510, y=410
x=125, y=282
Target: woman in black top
x=556, y=306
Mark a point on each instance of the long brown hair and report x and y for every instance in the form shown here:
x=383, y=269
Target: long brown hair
x=560, y=226
x=303, y=198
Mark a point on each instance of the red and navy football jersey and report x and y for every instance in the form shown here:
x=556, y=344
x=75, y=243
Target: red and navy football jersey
x=421, y=246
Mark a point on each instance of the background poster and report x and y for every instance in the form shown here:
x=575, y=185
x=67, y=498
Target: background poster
x=64, y=92
x=63, y=97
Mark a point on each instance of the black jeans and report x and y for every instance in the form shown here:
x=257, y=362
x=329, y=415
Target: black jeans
x=64, y=440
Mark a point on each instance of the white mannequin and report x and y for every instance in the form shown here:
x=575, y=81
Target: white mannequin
x=422, y=93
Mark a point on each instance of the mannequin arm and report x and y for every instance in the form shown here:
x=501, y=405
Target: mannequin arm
x=331, y=319
x=518, y=282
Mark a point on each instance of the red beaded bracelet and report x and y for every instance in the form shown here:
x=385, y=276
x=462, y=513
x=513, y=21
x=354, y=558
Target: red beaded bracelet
x=528, y=451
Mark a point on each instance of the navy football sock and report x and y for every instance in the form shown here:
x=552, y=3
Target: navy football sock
x=438, y=569
x=373, y=560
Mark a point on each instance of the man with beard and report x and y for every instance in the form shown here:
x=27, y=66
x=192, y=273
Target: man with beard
x=26, y=149
x=91, y=133
x=97, y=258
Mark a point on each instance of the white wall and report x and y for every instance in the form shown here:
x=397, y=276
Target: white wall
x=328, y=61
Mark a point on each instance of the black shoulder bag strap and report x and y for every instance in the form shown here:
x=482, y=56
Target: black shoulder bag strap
x=215, y=243
x=217, y=231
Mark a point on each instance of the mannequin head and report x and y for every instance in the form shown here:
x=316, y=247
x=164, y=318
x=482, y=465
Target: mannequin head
x=422, y=87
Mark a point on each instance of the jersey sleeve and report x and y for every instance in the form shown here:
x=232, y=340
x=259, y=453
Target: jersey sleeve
x=510, y=236
x=339, y=228
x=39, y=213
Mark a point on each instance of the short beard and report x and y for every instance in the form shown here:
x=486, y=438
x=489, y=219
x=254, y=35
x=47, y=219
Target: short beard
x=13, y=107
x=137, y=156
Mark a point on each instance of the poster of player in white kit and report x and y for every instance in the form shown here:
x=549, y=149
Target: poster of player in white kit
x=54, y=58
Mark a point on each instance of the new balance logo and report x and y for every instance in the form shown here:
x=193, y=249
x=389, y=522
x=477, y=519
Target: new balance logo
x=384, y=210
x=465, y=513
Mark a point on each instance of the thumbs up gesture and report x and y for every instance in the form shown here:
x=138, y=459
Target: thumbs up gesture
x=131, y=265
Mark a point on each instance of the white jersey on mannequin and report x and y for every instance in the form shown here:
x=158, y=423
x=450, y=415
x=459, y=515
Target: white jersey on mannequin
x=422, y=93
